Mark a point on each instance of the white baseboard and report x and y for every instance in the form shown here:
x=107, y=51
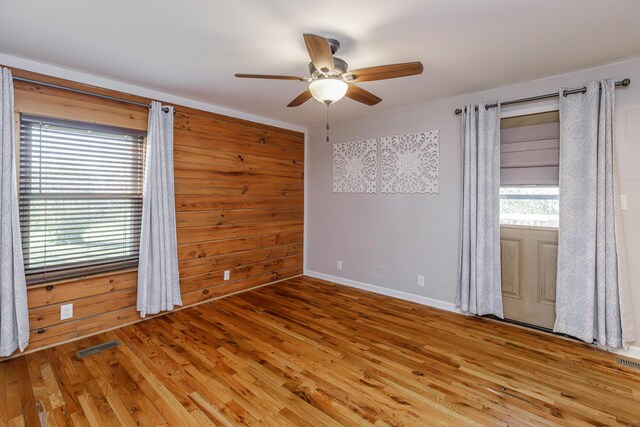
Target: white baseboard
x=431, y=302
x=633, y=352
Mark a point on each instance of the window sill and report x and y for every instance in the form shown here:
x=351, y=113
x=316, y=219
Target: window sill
x=80, y=278
x=529, y=227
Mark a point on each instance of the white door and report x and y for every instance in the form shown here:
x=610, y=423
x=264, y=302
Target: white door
x=529, y=203
x=528, y=262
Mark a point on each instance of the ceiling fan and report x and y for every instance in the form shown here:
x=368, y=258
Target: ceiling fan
x=331, y=80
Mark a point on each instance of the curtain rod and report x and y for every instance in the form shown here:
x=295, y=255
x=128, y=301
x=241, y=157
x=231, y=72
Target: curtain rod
x=84, y=92
x=624, y=82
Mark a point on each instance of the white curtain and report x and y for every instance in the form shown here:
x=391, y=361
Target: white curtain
x=479, y=287
x=593, y=295
x=158, y=279
x=14, y=317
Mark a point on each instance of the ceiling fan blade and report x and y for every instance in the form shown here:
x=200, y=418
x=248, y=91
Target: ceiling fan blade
x=300, y=99
x=384, y=72
x=358, y=94
x=269, y=76
x=320, y=52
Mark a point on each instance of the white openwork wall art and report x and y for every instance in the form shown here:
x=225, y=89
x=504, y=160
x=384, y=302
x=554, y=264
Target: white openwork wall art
x=355, y=166
x=410, y=163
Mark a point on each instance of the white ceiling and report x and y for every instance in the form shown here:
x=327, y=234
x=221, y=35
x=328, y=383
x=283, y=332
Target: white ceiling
x=192, y=48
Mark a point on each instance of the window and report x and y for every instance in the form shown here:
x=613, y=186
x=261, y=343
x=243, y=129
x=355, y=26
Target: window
x=530, y=206
x=80, y=197
x=529, y=164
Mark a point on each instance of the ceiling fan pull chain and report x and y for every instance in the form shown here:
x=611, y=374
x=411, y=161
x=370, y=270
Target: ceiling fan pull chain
x=327, y=122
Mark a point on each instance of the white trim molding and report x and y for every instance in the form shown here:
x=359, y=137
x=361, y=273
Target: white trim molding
x=633, y=352
x=430, y=302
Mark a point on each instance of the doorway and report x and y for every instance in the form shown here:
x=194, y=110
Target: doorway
x=529, y=208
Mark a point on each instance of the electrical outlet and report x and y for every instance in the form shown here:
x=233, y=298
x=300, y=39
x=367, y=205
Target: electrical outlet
x=66, y=311
x=420, y=280
x=623, y=202
x=339, y=265
x=227, y=274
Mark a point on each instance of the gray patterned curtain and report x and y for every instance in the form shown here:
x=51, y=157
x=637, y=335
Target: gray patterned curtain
x=593, y=296
x=14, y=317
x=479, y=287
x=158, y=280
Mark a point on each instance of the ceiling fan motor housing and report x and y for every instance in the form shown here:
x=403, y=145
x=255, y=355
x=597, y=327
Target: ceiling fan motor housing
x=334, y=45
x=340, y=67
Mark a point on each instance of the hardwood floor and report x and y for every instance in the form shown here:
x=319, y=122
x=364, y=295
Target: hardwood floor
x=308, y=352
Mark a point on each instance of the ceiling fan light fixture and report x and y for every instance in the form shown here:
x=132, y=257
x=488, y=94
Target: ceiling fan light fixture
x=330, y=78
x=328, y=90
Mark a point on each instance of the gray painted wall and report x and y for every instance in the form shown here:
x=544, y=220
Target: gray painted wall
x=388, y=239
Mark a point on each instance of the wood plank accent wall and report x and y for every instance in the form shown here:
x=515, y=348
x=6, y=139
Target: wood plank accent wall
x=239, y=202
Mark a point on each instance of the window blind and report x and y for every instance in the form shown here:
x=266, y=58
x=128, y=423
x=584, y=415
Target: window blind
x=529, y=155
x=80, y=197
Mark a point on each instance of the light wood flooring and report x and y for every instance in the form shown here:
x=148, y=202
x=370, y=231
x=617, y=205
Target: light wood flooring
x=308, y=352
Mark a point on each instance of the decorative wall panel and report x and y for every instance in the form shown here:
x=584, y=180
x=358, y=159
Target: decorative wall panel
x=355, y=167
x=410, y=163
